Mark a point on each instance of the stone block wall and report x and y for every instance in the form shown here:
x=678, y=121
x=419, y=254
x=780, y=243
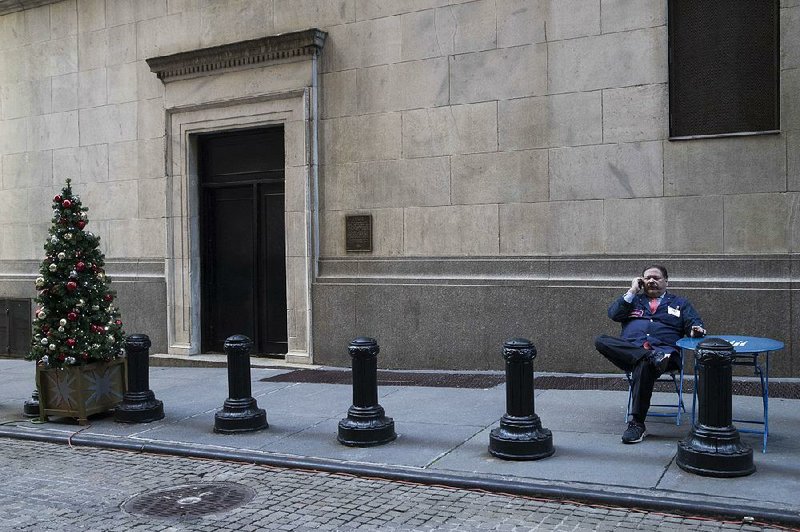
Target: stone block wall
x=541, y=115
x=527, y=157
x=504, y=148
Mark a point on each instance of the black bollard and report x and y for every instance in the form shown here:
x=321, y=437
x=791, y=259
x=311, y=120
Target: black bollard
x=520, y=435
x=366, y=423
x=240, y=412
x=139, y=403
x=31, y=406
x=712, y=447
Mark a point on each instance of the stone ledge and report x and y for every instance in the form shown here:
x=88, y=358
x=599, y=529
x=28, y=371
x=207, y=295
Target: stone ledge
x=774, y=271
x=146, y=270
x=244, y=54
x=216, y=360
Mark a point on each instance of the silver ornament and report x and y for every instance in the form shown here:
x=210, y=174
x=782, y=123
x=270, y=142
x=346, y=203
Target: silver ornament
x=62, y=322
x=61, y=255
x=67, y=236
x=52, y=267
x=39, y=282
x=61, y=329
x=52, y=347
x=54, y=239
x=43, y=341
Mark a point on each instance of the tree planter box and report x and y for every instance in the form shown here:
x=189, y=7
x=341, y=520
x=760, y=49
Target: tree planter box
x=80, y=391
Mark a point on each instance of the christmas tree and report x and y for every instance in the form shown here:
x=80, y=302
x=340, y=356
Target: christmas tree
x=75, y=321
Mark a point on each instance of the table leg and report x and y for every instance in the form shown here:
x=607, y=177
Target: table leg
x=765, y=389
x=694, y=392
x=763, y=376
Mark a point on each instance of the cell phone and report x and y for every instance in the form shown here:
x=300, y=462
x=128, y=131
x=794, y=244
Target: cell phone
x=641, y=284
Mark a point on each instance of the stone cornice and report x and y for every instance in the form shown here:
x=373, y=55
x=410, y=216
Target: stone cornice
x=11, y=6
x=243, y=54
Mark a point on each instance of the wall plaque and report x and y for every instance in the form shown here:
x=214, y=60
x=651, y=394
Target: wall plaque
x=358, y=232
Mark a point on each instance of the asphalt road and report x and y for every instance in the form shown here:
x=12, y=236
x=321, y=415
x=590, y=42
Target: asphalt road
x=47, y=486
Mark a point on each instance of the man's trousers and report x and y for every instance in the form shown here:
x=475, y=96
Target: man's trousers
x=632, y=359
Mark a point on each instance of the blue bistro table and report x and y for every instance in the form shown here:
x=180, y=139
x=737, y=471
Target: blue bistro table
x=747, y=350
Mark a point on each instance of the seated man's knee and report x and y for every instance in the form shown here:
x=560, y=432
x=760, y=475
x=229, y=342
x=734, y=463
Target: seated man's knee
x=600, y=342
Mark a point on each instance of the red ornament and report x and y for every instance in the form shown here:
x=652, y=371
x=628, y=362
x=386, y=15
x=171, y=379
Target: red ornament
x=66, y=204
x=62, y=356
x=72, y=316
x=71, y=286
x=81, y=224
x=45, y=328
x=94, y=268
x=71, y=342
x=57, y=199
x=107, y=297
x=118, y=323
x=85, y=356
x=80, y=266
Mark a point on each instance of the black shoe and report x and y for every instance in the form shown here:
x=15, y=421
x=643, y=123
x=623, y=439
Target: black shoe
x=660, y=361
x=634, y=433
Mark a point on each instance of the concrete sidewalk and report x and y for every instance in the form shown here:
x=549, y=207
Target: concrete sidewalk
x=443, y=435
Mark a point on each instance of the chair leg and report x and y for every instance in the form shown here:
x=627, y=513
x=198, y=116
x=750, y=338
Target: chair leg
x=680, y=407
x=679, y=391
x=630, y=397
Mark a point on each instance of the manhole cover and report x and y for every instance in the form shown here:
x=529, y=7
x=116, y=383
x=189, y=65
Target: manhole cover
x=190, y=500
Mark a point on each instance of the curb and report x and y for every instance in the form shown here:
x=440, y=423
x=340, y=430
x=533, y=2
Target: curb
x=515, y=487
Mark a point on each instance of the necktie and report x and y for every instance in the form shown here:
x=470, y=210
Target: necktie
x=653, y=306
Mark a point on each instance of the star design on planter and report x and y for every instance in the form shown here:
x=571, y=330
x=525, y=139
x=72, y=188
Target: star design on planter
x=101, y=385
x=63, y=388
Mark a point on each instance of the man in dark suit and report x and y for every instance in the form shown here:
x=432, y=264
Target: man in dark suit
x=652, y=323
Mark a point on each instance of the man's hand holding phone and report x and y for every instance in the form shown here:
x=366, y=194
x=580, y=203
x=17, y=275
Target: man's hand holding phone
x=637, y=286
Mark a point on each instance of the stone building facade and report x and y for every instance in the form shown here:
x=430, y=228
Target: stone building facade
x=513, y=156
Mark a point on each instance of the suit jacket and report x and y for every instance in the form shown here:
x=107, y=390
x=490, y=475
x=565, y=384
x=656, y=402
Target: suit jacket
x=672, y=320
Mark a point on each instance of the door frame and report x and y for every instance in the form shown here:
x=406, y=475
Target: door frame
x=252, y=83
x=184, y=126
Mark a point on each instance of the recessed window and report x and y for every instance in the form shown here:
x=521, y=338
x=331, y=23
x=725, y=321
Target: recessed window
x=723, y=67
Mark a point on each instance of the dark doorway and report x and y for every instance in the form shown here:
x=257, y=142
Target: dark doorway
x=243, y=256
x=15, y=327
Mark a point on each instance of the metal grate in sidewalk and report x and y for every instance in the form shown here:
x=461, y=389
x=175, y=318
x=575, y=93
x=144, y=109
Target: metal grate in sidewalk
x=394, y=378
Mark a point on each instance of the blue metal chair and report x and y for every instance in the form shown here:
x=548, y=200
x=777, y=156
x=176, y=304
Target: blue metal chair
x=678, y=408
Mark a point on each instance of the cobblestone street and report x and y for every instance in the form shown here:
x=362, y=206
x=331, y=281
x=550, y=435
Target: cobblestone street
x=53, y=487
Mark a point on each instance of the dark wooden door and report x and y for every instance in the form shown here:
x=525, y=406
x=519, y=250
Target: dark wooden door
x=243, y=257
